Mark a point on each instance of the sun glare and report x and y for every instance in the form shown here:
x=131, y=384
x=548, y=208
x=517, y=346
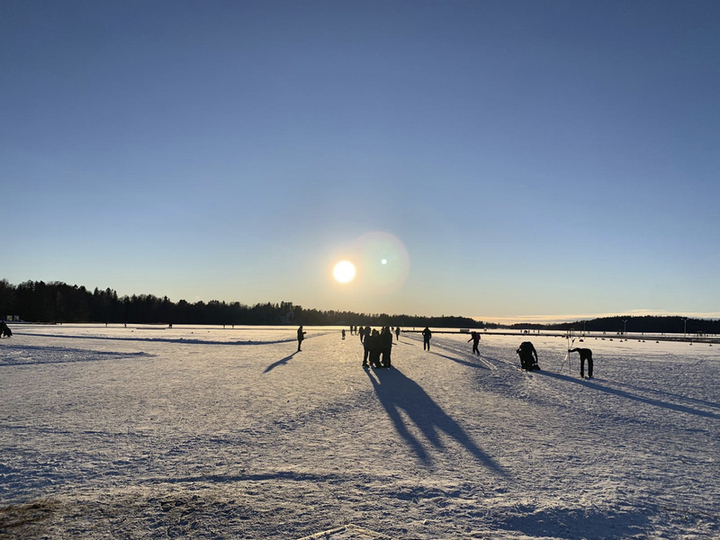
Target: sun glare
x=344, y=271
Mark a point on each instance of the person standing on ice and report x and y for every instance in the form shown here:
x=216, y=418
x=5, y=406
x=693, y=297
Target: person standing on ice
x=585, y=354
x=528, y=356
x=301, y=336
x=387, y=342
x=397, y=333
x=426, y=334
x=475, y=338
x=373, y=342
x=365, y=331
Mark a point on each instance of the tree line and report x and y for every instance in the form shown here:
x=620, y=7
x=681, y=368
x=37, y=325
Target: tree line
x=674, y=324
x=37, y=301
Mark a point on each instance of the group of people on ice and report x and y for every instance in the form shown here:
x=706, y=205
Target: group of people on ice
x=377, y=348
x=363, y=331
x=377, y=344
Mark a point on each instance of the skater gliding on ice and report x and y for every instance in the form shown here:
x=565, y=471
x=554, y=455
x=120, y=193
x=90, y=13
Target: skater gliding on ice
x=475, y=338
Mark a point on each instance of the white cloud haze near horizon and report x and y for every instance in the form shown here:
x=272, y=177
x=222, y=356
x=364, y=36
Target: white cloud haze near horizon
x=516, y=161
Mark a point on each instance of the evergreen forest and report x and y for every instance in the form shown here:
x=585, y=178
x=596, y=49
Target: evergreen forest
x=57, y=302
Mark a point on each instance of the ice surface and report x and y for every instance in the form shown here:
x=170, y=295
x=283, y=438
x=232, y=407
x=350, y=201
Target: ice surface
x=230, y=433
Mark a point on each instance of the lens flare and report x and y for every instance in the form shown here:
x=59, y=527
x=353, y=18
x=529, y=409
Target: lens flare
x=383, y=247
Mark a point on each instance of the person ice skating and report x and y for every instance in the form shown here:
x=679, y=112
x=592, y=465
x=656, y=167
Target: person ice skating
x=475, y=338
x=397, y=333
x=528, y=356
x=343, y=333
x=361, y=333
x=426, y=334
x=301, y=336
x=585, y=354
x=5, y=330
x=386, y=341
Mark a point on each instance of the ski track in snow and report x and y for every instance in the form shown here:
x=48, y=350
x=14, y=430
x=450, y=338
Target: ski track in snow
x=233, y=434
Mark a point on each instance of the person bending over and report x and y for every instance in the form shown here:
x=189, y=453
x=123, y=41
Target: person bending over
x=528, y=356
x=585, y=354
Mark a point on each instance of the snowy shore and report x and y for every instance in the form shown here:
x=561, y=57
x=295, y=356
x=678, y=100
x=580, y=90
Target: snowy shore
x=212, y=433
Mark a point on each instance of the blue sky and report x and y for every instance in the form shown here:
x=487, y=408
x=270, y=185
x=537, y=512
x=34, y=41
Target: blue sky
x=520, y=159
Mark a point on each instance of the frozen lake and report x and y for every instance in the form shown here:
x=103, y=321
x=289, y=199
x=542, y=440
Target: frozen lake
x=229, y=433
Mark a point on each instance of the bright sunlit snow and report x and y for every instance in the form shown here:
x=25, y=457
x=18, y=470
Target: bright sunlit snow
x=229, y=433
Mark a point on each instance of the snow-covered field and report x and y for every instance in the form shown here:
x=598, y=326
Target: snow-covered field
x=229, y=433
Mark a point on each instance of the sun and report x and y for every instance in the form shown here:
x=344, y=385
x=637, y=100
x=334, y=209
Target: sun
x=344, y=271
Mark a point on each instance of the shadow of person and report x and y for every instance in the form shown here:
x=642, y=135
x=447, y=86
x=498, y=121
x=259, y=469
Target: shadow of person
x=280, y=362
x=595, y=385
x=397, y=392
x=463, y=362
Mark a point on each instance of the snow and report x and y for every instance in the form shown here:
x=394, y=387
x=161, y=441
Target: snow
x=204, y=432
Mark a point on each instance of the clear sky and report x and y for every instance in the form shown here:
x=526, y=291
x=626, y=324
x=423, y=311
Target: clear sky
x=508, y=159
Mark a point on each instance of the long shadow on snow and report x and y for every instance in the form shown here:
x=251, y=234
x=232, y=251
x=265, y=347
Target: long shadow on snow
x=463, y=362
x=398, y=392
x=712, y=404
x=280, y=362
x=182, y=341
x=628, y=395
x=570, y=523
x=61, y=355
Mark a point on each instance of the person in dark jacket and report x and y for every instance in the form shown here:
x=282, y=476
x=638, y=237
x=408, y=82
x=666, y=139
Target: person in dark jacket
x=426, y=334
x=5, y=330
x=397, y=333
x=475, y=338
x=301, y=336
x=365, y=339
x=374, y=345
x=528, y=356
x=386, y=340
x=585, y=354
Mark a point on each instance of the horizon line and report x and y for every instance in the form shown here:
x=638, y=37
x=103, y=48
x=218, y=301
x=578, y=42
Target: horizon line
x=552, y=319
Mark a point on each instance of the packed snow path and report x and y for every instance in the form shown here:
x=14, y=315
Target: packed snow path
x=211, y=433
